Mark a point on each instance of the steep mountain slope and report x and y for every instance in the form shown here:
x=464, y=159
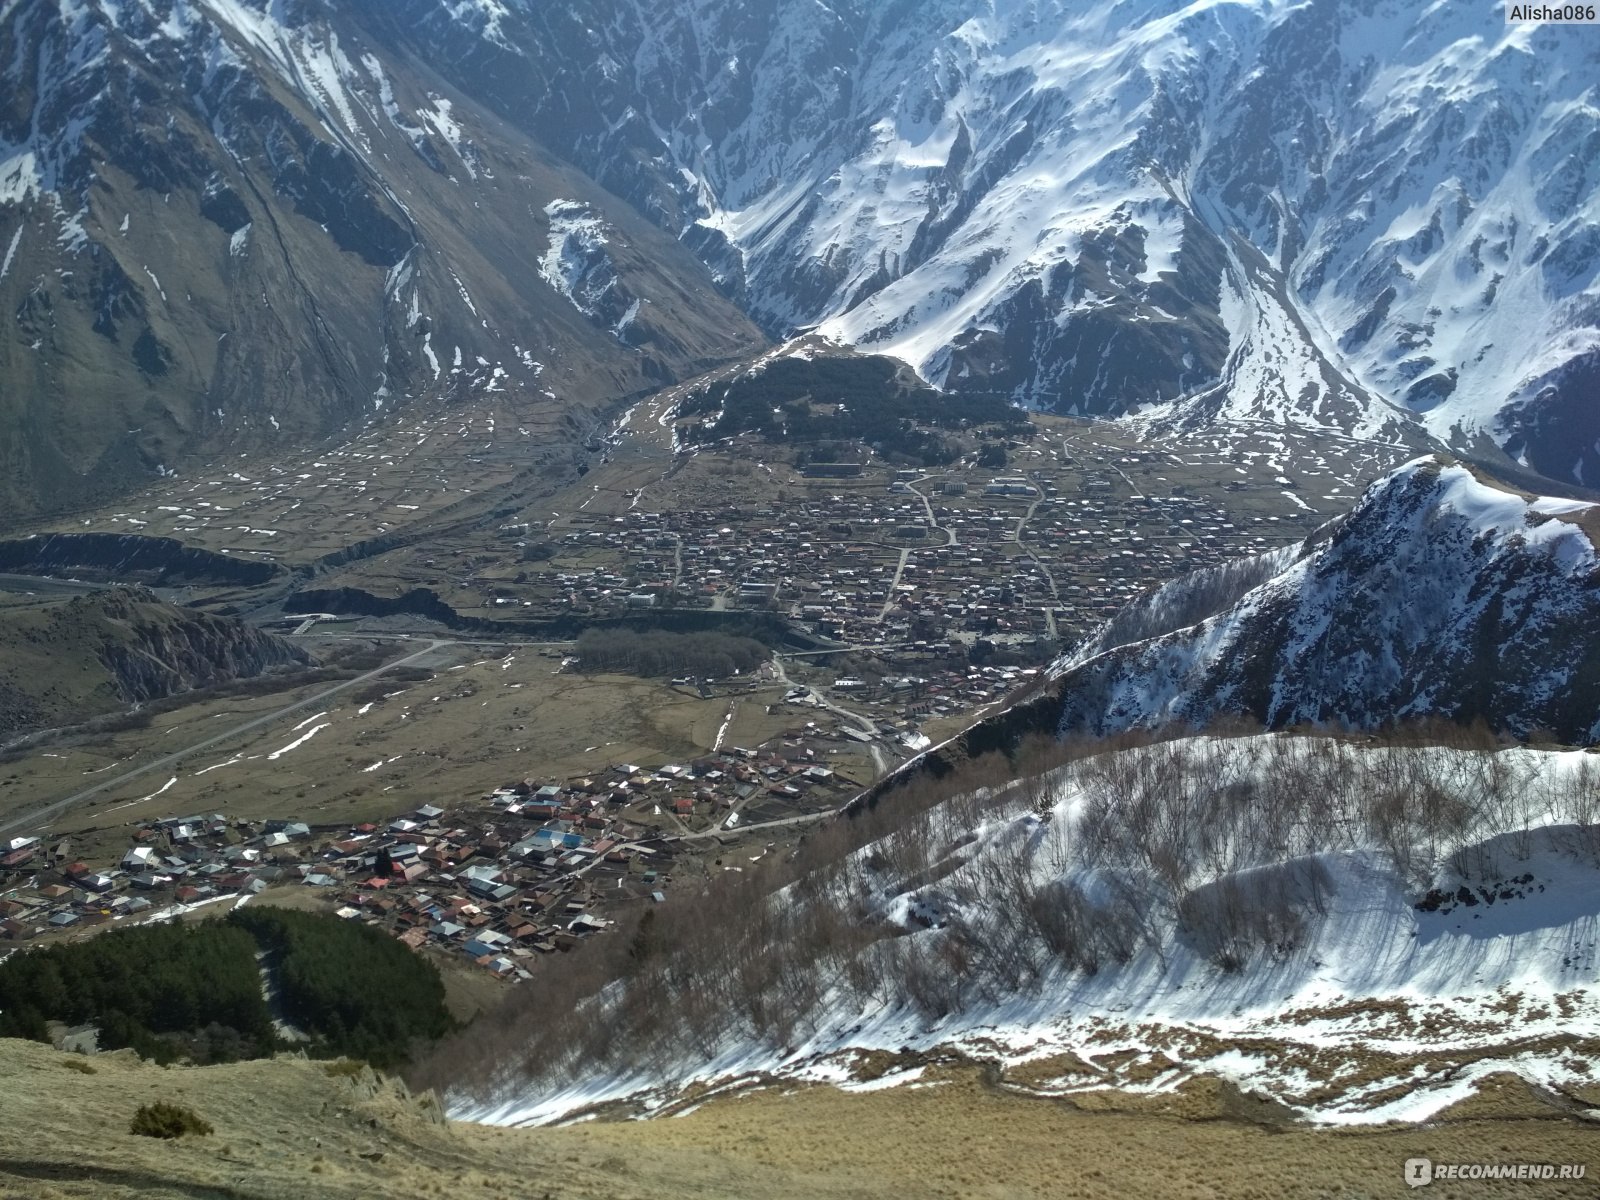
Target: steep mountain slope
x=220, y=214
x=1349, y=933
x=68, y=661
x=1438, y=595
x=230, y=223
x=1337, y=213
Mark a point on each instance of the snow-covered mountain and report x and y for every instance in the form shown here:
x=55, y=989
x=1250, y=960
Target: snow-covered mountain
x=1376, y=216
x=1439, y=594
x=1335, y=212
x=227, y=224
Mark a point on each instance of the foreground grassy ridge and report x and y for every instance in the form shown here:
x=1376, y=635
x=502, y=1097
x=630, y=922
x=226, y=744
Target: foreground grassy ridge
x=286, y=1128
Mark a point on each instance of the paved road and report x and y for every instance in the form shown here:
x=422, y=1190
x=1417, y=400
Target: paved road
x=39, y=589
x=933, y=521
x=42, y=585
x=899, y=573
x=854, y=648
x=325, y=635
x=1055, y=592
x=717, y=830
x=37, y=819
x=907, y=552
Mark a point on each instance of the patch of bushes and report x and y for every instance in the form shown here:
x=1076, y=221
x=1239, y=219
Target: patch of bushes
x=166, y=1120
x=656, y=654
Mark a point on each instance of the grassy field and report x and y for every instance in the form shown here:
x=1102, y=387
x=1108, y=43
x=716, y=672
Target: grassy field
x=484, y=718
x=959, y=1137
x=290, y=1128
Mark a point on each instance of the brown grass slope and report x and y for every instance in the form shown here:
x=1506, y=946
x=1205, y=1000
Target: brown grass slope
x=288, y=1129
x=246, y=273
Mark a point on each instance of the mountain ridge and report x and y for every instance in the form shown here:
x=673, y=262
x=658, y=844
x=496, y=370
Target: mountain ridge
x=1042, y=201
x=226, y=226
x=1342, y=215
x=1438, y=594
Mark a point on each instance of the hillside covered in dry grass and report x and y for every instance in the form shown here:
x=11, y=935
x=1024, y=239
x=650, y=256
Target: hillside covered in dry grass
x=290, y=1129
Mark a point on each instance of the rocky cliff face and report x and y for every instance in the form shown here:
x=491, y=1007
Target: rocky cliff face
x=153, y=650
x=94, y=654
x=1439, y=594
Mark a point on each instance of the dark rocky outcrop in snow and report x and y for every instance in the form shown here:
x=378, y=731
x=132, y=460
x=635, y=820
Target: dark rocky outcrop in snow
x=1439, y=595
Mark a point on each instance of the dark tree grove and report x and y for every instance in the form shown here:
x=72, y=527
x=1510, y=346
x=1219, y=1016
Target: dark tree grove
x=156, y=988
x=655, y=654
x=356, y=989
x=844, y=400
x=195, y=990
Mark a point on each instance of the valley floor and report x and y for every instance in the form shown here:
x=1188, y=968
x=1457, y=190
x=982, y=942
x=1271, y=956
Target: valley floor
x=289, y=1128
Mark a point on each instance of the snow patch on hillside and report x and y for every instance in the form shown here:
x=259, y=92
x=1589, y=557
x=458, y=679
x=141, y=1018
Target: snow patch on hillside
x=577, y=263
x=577, y=237
x=11, y=253
x=1451, y=980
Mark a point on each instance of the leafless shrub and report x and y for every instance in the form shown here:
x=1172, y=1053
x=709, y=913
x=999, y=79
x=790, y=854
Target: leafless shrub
x=1233, y=918
x=1080, y=934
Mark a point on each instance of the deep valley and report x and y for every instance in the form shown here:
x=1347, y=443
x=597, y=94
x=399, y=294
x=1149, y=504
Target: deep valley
x=665, y=598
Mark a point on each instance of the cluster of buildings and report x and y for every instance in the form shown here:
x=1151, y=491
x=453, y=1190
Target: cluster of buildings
x=524, y=870
x=898, y=704
x=846, y=551
x=44, y=888
x=864, y=566
x=927, y=572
